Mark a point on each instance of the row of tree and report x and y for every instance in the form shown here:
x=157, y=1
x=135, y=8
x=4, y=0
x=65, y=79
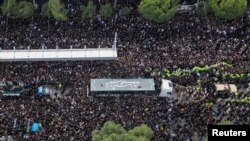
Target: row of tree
x=115, y=132
x=163, y=10
x=54, y=9
x=154, y=10
x=22, y=9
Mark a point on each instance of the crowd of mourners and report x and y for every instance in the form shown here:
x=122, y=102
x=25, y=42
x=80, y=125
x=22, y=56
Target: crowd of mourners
x=144, y=50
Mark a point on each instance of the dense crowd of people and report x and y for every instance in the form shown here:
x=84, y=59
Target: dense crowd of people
x=144, y=50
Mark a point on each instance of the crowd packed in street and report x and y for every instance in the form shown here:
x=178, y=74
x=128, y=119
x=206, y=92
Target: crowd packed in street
x=144, y=50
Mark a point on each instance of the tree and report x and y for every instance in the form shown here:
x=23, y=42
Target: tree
x=228, y=9
x=115, y=132
x=141, y=131
x=25, y=10
x=89, y=10
x=14, y=10
x=158, y=10
x=202, y=8
x=58, y=10
x=45, y=11
x=106, y=10
x=9, y=8
x=125, y=11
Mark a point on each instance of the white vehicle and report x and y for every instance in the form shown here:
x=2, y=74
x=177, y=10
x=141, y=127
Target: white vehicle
x=166, y=88
x=226, y=88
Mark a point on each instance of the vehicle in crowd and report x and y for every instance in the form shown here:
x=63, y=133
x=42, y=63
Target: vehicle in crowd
x=121, y=87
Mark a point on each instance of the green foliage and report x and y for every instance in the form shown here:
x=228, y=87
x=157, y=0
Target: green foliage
x=208, y=104
x=228, y=9
x=198, y=69
x=142, y=131
x=21, y=10
x=58, y=10
x=106, y=10
x=205, y=139
x=45, y=11
x=114, y=132
x=125, y=11
x=225, y=122
x=108, y=131
x=25, y=9
x=89, y=10
x=158, y=10
x=203, y=8
x=9, y=8
x=246, y=100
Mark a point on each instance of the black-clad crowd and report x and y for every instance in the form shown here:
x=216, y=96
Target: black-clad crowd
x=144, y=50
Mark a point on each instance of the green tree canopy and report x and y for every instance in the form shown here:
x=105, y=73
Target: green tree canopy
x=9, y=8
x=58, y=10
x=45, y=11
x=125, y=11
x=25, y=9
x=141, y=131
x=115, y=132
x=89, y=10
x=158, y=10
x=21, y=10
x=106, y=10
x=228, y=9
